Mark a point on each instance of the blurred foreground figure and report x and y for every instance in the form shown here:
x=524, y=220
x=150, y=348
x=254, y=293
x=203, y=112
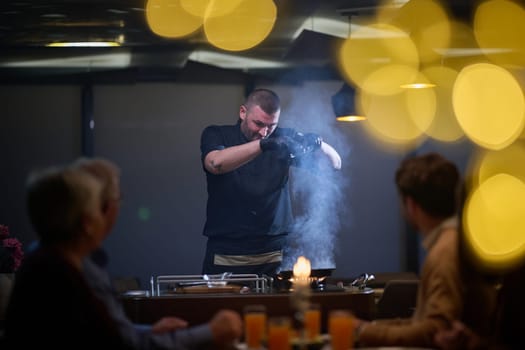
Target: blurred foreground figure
x=508, y=328
x=51, y=303
x=169, y=332
x=428, y=187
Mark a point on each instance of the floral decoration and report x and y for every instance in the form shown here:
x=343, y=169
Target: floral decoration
x=11, y=253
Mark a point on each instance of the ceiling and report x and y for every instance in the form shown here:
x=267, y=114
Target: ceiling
x=304, y=38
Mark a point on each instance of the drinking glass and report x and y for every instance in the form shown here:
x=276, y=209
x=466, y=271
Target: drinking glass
x=254, y=325
x=279, y=329
x=341, y=329
x=312, y=322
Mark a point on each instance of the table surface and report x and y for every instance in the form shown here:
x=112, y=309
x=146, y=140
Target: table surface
x=199, y=308
x=326, y=346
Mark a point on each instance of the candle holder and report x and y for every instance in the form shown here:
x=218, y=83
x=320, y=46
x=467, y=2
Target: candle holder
x=300, y=295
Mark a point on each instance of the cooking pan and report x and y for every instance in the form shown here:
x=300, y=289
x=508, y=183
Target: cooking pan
x=283, y=279
x=314, y=273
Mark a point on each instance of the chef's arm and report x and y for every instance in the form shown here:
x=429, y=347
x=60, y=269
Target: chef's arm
x=311, y=142
x=228, y=159
x=331, y=154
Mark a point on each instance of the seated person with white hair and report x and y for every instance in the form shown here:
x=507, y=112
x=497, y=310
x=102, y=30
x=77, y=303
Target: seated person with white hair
x=51, y=303
x=169, y=332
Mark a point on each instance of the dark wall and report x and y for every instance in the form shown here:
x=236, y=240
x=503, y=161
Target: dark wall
x=152, y=131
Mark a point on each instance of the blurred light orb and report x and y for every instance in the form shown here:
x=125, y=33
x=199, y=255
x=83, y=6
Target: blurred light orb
x=498, y=27
x=494, y=221
x=197, y=8
x=242, y=27
x=167, y=18
x=217, y=8
x=144, y=214
x=368, y=60
x=426, y=21
x=489, y=105
x=400, y=119
x=445, y=126
x=390, y=79
x=488, y=163
x=456, y=56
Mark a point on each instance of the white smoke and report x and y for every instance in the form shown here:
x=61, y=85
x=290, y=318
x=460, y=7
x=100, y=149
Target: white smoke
x=318, y=195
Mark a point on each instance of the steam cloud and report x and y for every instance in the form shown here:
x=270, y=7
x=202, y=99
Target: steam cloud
x=318, y=195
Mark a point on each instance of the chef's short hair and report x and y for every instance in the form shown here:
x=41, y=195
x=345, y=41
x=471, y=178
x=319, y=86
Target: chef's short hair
x=268, y=100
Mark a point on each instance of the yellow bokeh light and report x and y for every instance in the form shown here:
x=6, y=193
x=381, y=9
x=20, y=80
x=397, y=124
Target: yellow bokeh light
x=426, y=22
x=242, y=28
x=217, y=8
x=509, y=160
x=445, y=126
x=196, y=7
x=463, y=49
x=498, y=27
x=168, y=18
x=489, y=105
x=494, y=223
x=399, y=119
x=364, y=59
x=390, y=79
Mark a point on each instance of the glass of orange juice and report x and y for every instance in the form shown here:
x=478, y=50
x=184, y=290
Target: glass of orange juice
x=341, y=329
x=312, y=322
x=279, y=333
x=254, y=325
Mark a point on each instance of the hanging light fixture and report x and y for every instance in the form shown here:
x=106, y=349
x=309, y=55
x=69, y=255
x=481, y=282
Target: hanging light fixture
x=343, y=104
x=421, y=85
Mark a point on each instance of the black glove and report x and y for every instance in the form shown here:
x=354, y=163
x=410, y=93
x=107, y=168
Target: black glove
x=278, y=144
x=308, y=143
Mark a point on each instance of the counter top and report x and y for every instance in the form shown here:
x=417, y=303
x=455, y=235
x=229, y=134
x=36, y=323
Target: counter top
x=198, y=308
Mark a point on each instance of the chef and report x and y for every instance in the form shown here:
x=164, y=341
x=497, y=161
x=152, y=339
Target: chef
x=249, y=211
